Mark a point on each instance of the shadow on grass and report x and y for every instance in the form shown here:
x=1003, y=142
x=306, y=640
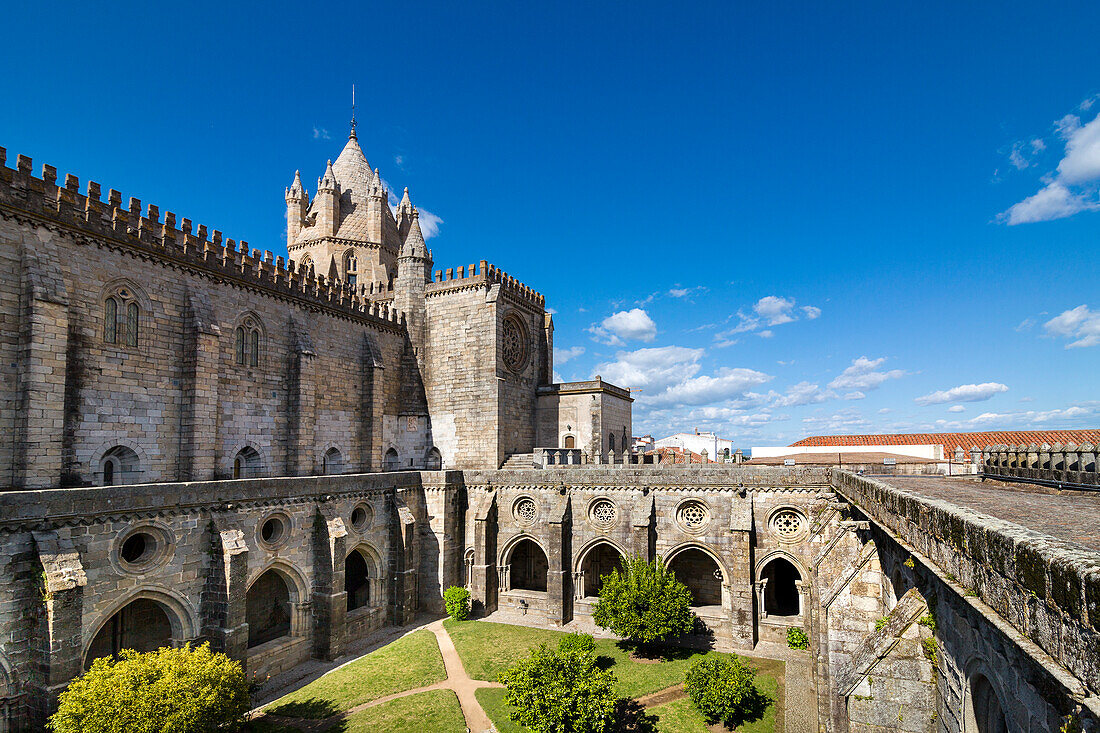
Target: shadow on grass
x=315, y=708
x=631, y=717
x=655, y=652
x=755, y=705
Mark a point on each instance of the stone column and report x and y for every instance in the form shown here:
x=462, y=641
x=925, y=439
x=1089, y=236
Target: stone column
x=301, y=417
x=372, y=401
x=330, y=600
x=64, y=597
x=484, y=578
x=559, y=595
x=200, y=392
x=222, y=603
x=42, y=370
x=640, y=528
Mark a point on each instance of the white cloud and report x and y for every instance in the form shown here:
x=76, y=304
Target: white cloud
x=561, y=356
x=1078, y=323
x=429, y=223
x=855, y=396
x=679, y=292
x=771, y=310
x=705, y=390
x=319, y=133
x=864, y=374
x=963, y=393
x=651, y=369
x=1026, y=325
x=803, y=393
x=399, y=160
x=618, y=328
x=1055, y=201
x=1073, y=186
x=956, y=408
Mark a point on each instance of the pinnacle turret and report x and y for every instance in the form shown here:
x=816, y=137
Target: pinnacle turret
x=404, y=215
x=296, y=192
x=414, y=245
x=327, y=182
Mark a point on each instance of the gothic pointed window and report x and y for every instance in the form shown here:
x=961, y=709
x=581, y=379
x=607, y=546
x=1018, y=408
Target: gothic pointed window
x=110, y=320
x=254, y=348
x=132, y=313
x=121, y=317
x=351, y=267
x=239, y=345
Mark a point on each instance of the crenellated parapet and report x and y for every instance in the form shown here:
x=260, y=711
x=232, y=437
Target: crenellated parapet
x=41, y=201
x=1058, y=463
x=483, y=275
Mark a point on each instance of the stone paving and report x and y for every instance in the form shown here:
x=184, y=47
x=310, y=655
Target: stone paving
x=1071, y=516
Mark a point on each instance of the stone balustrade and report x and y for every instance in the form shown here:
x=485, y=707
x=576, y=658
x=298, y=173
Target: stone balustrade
x=1049, y=464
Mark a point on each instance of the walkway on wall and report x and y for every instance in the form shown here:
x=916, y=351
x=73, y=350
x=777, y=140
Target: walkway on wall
x=457, y=681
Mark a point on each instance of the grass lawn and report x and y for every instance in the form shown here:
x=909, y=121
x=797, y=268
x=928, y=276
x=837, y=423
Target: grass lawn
x=410, y=662
x=487, y=649
x=435, y=710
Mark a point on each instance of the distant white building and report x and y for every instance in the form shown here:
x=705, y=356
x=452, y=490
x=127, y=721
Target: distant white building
x=698, y=442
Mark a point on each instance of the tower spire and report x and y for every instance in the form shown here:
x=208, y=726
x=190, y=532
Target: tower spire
x=352, y=135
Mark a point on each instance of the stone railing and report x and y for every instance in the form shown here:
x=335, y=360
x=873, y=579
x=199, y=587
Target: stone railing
x=1056, y=464
x=575, y=457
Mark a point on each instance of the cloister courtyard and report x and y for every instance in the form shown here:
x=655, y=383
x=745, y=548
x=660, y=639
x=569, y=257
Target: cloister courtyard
x=441, y=675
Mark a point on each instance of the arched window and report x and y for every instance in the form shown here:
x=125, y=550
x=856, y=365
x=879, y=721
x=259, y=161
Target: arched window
x=332, y=462
x=528, y=566
x=246, y=342
x=110, y=320
x=435, y=459
x=468, y=562
x=267, y=609
x=611, y=441
x=570, y=442
x=121, y=317
x=393, y=462
x=781, y=597
x=351, y=267
x=361, y=576
x=700, y=573
x=142, y=625
x=984, y=714
x=307, y=263
x=118, y=466
x=598, y=562
x=247, y=463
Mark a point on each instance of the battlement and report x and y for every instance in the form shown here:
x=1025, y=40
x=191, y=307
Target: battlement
x=65, y=208
x=482, y=274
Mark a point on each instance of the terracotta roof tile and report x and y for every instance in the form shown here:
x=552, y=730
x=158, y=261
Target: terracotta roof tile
x=966, y=441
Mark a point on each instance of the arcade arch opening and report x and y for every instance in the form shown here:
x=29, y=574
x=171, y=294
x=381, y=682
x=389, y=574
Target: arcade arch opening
x=599, y=560
x=527, y=567
x=781, y=595
x=142, y=625
x=700, y=573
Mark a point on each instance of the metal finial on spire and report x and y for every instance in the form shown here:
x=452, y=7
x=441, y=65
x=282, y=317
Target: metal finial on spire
x=352, y=111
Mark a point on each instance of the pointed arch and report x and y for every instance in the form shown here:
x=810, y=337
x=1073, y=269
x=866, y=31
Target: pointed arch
x=181, y=620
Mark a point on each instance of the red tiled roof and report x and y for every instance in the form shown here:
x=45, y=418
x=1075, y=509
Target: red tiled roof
x=966, y=441
x=832, y=459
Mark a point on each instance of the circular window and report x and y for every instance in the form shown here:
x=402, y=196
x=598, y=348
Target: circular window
x=524, y=510
x=141, y=549
x=788, y=524
x=361, y=517
x=693, y=515
x=274, y=530
x=514, y=344
x=602, y=512
x=137, y=547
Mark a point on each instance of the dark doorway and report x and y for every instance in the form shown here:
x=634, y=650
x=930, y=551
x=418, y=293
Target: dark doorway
x=357, y=581
x=141, y=625
x=528, y=566
x=268, y=609
x=781, y=593
x=598, y=562
x=701, y=574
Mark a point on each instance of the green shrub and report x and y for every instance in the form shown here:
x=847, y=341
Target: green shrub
x=561, y=690
x=577, y=643
x=457, y=602
x=722, y=690
x=797, y=639
x=644, y=602
x=183, y=690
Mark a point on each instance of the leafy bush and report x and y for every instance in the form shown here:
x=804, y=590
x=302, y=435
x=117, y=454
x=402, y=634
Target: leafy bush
x=722, y=690
x=797, y=639
x=644, y=602
x=577, y=643
x=457, y=602
x=183, y=690
x=561, y=690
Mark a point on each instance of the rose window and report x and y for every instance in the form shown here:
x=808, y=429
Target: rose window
x=693, y=514
x=787, y=523
x=514, y=345
x=525, y=510
x=603, y=513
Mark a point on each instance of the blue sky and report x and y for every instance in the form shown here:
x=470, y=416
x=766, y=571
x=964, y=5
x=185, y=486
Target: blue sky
x=774, y=221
